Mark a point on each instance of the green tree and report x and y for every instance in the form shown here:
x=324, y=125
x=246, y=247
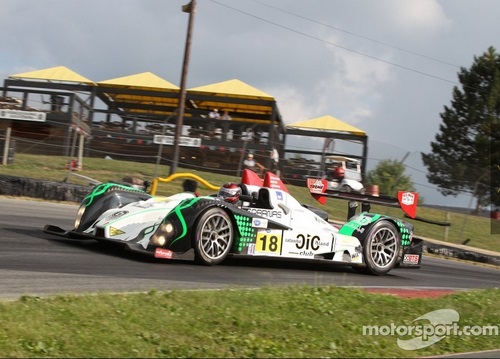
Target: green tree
x=390, y=178
x=466, y=152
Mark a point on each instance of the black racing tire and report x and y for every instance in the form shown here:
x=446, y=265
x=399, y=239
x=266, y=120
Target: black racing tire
x=213, y=236
x=381, y=248
x=346, y=188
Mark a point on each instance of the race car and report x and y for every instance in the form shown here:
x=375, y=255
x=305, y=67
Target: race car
x=254, y=218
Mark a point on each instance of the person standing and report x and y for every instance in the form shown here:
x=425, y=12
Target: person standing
x=275, y=157
x=225, y=116
x=249, y=162
x=225, y=125
x=214, y=114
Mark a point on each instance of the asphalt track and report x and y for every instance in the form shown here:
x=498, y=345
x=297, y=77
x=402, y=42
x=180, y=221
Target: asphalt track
x=35, y=263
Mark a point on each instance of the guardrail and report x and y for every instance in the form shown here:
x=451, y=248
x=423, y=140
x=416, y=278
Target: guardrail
x=154, y=183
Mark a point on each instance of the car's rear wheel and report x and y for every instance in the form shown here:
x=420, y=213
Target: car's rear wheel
x=214, y=236
x=381, y=248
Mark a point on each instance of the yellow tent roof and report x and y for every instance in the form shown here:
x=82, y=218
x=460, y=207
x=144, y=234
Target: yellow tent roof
x=142, y=81
x=232, y=89
x=327, y=124
x=145, y=80
x=58, y=73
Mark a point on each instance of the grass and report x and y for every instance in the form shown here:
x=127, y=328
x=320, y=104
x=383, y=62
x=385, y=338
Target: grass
x=288, y=322
x=476, y=229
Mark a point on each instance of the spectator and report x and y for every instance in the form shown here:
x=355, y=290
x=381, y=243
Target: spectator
x=225, y=125
x=249, y=162
x=225, y=116
x=214, y=114
x=275, y=157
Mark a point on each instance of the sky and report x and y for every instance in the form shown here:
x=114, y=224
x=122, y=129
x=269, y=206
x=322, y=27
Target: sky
x=387, y=67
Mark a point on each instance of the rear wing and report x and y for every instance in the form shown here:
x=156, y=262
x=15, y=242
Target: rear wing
x=318, y=188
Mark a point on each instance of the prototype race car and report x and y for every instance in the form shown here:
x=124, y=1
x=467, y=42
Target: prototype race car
x=265, y=220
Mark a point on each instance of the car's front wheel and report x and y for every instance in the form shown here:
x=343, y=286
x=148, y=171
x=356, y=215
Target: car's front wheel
x=381, y=248
x=346, y=188
x=214, y=236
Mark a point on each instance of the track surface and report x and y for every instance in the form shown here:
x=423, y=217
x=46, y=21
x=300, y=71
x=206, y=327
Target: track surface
x=35, y=263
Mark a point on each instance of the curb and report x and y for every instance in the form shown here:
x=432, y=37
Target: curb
x=460, y=251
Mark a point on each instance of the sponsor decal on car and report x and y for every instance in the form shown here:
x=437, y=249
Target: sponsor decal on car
x=268, y=242
x=163, y=253
x=114, y=216
x=115, y=231
x=266, y=212
x=411, y=258
x=305, y=245
x=259, y=223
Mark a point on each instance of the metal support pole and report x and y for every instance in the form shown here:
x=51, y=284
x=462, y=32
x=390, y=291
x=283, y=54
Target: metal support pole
x=160, y=147
x=191, y=9
x=80, y=152
x=6, y=146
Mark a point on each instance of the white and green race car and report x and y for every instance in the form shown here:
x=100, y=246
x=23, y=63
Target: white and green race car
x=267, y=221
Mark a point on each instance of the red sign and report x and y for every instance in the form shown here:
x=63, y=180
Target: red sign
x=408, y=202
x=317, y=187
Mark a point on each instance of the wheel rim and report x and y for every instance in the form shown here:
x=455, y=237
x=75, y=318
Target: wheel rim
x=383, y=247
x=216, y=235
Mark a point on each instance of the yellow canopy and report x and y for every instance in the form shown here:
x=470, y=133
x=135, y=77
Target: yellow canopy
x=59, y=73
x=232, y=89
x=145, y=80
x=142, y=81
x=327, y=124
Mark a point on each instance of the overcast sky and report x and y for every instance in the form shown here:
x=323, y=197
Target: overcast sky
x=387, y=67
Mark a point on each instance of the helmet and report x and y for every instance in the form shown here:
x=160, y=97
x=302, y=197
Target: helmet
x=230, y=192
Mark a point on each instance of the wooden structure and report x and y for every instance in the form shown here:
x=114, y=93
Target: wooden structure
x=127, y=118
x=120, y=118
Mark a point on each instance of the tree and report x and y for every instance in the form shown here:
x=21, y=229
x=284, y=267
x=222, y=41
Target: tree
x=389, y=176
x=466, y=152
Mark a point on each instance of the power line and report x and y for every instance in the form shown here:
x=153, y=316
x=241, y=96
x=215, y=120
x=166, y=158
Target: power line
x=357, y=35
x=337, y=45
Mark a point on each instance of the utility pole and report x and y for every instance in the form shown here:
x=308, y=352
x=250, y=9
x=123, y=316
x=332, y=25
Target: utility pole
x=191, y=9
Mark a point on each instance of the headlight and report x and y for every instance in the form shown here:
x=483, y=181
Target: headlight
x=79, y=214
x=158, y=241
x=167, y=227
x=162, y=234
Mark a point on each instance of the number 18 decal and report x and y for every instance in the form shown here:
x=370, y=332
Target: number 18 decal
x=268, y=242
